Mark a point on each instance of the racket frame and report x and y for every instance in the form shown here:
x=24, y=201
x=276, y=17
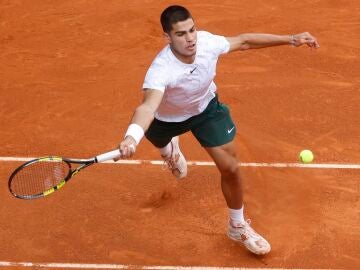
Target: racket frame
x=84, y=163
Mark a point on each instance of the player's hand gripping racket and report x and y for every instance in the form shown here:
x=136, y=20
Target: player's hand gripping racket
x=42, y=176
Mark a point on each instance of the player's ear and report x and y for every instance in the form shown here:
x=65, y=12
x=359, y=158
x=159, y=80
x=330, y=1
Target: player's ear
x=167, y=37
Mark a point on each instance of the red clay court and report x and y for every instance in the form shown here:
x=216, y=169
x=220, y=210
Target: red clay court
x=70, y=77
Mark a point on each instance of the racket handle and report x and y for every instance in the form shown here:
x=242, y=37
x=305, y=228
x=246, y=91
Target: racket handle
x=107, y=156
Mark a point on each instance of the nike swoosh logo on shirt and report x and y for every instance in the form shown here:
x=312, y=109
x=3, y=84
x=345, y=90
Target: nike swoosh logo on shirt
x=229, y=130
x=191, y=71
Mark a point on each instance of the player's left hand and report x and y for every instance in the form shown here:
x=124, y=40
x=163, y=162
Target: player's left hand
x=305, y=38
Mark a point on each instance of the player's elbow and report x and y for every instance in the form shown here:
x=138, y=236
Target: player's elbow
x=238, y=43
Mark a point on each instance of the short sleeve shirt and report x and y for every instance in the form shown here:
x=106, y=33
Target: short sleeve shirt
x=188, y=88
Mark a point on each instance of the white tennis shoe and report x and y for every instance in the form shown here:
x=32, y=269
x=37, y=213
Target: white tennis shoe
x=246, y=235
x=176, y=162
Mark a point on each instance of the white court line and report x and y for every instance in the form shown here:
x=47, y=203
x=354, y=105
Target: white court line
x=209, y=163
x=120, y=266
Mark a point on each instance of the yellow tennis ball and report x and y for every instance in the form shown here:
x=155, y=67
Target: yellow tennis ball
x=306, y=156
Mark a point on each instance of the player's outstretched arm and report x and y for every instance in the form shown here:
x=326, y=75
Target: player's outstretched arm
x=257, y=41
x=140, y=122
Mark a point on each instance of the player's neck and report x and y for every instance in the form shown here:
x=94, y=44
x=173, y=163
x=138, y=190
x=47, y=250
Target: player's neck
x=186, y=59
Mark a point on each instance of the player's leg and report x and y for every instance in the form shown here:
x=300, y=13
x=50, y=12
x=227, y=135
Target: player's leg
x=165, y=136
x=238, y=229
x=225, y=159
x=215, y=131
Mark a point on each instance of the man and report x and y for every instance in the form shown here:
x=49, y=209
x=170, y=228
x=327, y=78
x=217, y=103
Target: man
x=180, y=96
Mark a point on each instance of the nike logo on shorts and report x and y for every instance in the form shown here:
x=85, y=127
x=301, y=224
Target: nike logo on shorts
x=229, y=130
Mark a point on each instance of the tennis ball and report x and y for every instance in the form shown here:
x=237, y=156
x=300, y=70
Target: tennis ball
x=306, y=156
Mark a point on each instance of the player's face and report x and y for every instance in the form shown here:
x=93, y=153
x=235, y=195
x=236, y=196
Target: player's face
x=182, y=39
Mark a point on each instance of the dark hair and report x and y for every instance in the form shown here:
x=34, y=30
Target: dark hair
x=172, y=15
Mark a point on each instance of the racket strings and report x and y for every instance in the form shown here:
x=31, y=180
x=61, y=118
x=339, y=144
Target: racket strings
x=39, y=177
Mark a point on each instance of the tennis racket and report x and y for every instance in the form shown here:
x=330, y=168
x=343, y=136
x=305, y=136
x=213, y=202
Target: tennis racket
x=43, y=176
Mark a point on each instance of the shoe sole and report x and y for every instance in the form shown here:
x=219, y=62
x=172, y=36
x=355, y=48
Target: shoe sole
x=248, y=248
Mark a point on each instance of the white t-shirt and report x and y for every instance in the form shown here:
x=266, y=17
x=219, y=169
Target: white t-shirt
x=188, y=88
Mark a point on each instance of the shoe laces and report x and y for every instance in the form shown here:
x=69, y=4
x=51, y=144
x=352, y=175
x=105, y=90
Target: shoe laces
x=170, y=162
x=246, y=230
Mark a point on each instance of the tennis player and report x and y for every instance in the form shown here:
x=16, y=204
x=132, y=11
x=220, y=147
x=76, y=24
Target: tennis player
x=180, y=96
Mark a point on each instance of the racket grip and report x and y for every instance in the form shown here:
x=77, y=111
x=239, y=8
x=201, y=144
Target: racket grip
x=108, y=156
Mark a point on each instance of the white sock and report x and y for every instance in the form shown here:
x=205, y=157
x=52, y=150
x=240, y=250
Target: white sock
x=237, y=216
x=166, y=150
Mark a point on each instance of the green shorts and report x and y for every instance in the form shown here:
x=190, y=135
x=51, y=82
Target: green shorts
x=213, y=127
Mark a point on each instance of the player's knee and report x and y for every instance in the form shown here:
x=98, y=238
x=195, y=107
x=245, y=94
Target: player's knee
x=230, y=167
